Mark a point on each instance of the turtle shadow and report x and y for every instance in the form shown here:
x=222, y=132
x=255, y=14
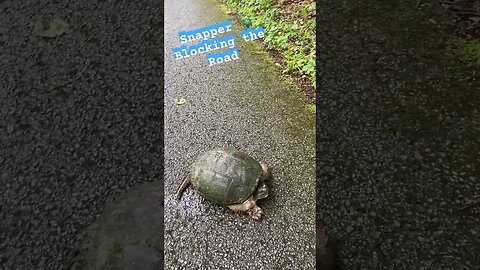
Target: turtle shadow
x=128, y=235
x=326, y=252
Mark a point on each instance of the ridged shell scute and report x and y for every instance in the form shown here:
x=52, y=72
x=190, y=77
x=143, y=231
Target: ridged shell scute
x=225, y=176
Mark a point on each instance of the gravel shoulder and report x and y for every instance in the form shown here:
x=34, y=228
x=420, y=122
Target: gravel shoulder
x=398, y=128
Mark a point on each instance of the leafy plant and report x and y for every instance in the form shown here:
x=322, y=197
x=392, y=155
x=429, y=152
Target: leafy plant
x=290, y=32
x=304, y=12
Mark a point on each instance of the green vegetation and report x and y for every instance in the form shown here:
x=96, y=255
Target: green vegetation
x=289, y=31
x=312, y=108
x=467, y=50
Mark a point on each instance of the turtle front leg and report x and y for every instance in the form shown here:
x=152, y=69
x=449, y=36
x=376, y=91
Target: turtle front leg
x=255, y=212
x=250, y=207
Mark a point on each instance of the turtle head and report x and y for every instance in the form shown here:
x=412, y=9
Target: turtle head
x=262, y=191
x=266, y=171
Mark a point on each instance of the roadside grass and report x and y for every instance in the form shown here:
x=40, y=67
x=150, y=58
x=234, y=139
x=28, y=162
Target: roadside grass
x=289, y=34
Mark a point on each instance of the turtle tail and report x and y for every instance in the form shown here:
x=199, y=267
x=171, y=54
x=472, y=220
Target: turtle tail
x=183, y=186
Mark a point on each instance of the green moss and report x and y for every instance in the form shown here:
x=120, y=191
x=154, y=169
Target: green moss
x=225, y=9
x=312, y=108
x=468, y=51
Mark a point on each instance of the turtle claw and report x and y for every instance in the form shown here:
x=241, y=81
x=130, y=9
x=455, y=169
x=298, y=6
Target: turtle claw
x=255, y=212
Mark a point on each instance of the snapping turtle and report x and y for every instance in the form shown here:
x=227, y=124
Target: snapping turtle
x=229, y=178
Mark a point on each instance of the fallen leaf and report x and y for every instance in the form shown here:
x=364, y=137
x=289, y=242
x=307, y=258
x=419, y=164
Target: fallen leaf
x=180, y=101
x=51, y=28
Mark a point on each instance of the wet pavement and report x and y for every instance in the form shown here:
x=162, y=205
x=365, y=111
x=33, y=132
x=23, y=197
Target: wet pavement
x=80, y=121
x=245, y=105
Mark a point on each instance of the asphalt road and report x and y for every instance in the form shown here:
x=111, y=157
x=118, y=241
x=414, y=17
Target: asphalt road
x=398, y=126
x=242, y=104
x=80, y=121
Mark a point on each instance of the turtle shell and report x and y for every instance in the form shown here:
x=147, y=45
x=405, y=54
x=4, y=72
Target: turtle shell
x=225, y=176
